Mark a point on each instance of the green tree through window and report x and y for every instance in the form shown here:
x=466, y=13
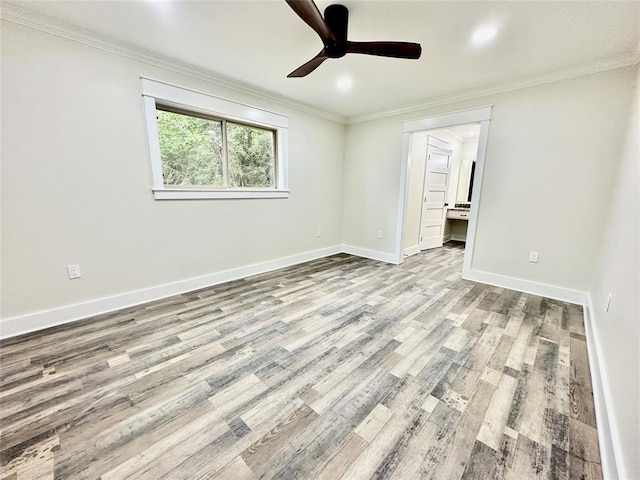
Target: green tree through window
x=193, y=155
x=251, y=156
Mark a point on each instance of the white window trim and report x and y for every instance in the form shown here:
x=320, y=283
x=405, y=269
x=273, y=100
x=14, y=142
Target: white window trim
x=173, y=96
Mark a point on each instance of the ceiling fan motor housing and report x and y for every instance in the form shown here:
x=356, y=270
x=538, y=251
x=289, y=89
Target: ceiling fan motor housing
x=337, y=19
x=332, y=30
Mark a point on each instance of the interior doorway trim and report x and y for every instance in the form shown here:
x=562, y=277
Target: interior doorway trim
x=480, y=115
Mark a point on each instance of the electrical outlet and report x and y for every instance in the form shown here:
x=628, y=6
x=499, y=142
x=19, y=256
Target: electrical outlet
x=609, y=297
x=533, y=257
x=319, y=232
x=379, y=234
x=74, y=271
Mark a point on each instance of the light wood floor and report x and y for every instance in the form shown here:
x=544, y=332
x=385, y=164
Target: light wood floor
x=337, y=368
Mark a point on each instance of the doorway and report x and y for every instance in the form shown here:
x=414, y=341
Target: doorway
x=440, y=183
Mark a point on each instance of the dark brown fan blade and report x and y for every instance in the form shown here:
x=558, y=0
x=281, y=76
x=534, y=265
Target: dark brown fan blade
x=310, y=14
x=386, y=49
x=310, y=66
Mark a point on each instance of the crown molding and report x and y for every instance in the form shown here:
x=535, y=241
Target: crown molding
x=27, y=18
x=600, y=66
x=22, y=16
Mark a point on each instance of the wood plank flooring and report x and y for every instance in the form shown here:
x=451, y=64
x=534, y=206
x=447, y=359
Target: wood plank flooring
x=339, y=368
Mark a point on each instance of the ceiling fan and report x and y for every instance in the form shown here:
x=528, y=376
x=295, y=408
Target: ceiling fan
x=332, y=30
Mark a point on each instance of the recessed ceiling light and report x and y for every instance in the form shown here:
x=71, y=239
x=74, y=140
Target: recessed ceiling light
x=344, y=84
x=482, y=36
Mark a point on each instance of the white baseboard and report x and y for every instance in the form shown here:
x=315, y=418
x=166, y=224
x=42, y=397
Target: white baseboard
x=459, y=238
x=526, y=286
x=14, y=326
x=372, y=254
x=446, y=238
x=411, y=250
x=608, y=436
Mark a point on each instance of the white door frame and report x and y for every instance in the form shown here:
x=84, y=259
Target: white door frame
x=480, y=115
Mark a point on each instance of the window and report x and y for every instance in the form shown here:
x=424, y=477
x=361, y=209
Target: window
x=196, y=151
x=207, y=147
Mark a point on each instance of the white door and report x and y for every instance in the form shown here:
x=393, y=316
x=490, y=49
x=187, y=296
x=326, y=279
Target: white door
x=434, y=198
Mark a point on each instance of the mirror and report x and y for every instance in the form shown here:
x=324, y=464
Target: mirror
x=465, y=180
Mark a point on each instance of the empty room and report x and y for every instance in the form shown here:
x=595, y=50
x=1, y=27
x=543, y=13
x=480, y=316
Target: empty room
x=296, y=239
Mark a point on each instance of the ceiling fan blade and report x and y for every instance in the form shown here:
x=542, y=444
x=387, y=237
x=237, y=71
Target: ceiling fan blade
x=386, y=49
x=310, y=66
x=310, y=14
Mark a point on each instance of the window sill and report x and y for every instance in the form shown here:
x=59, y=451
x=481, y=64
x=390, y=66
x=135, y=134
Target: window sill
x=194, y=194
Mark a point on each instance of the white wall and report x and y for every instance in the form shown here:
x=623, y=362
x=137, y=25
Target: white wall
x=546, y=177
x=76, y=183
x=470, y=148
x=371, y=178
x=618, y=273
